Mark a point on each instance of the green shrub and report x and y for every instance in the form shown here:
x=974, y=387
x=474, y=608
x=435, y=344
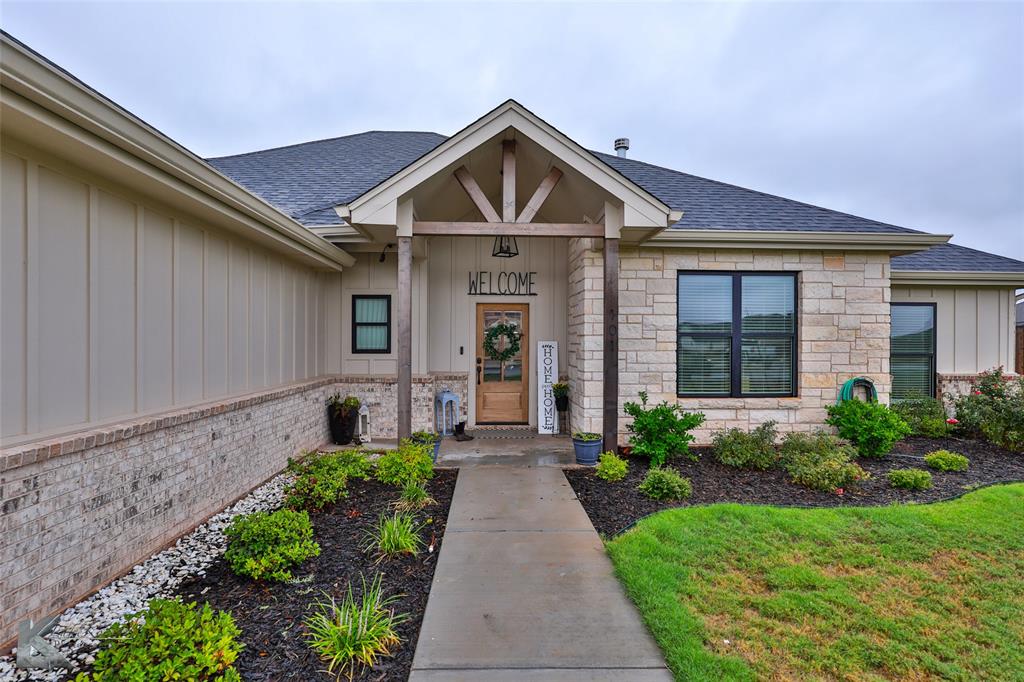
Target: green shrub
x=753, y=450
x=560, y=390
x=910, y=479
x=611, y=467
x=662, y=431
x=408, y=462
x=320, y=480
x=925, y=416
x=355, y=462
x=354, y=633
x=994, y=409
x=414, y=497
x=263, y=545
x=944, y=460
x=820, y=461
x=344, y=407
x=394, y=535
x=586, y=436
x=871, y=426
x=665, y=484
x=169, y=640
x=425, y=438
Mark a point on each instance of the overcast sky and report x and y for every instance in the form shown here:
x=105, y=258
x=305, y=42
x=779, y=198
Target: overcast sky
x=910, y=113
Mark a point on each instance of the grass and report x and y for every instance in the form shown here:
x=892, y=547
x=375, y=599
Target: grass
x=394, y=535
x=915, y=592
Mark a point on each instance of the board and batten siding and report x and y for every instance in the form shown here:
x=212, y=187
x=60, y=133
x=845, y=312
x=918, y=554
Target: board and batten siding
x=113, y=306
x=974, y=325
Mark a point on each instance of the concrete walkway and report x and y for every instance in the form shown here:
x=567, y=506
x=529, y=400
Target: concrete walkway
x=524, y=590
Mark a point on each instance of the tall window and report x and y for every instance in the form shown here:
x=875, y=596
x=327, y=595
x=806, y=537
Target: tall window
x=912, y=350
x=371, y=324
x=736, y=335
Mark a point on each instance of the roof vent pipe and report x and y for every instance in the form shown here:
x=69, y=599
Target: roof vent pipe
x=622, y=146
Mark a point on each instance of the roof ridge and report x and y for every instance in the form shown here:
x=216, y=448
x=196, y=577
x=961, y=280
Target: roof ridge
x=762, y=193
x=325, y=139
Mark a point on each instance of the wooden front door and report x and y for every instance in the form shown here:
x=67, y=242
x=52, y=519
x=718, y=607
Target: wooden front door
x=503, y=388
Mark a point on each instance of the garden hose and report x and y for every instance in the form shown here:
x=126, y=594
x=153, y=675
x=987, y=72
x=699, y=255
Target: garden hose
x=846, y=392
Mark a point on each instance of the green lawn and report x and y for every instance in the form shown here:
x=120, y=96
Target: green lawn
x=915, y=592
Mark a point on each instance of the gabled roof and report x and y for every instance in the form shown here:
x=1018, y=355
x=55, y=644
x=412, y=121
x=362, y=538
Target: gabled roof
x=955, y=258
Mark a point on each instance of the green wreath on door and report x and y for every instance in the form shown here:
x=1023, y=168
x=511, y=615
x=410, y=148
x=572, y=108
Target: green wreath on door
x=510, y=333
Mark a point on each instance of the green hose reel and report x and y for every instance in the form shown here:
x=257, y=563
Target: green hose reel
x=846, y=392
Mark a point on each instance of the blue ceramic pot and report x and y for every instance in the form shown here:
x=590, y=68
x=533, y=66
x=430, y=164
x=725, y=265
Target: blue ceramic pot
x=437, y=449
x=587, y=451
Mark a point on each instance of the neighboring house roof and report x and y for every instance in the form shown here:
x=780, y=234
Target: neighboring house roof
x=955, y=258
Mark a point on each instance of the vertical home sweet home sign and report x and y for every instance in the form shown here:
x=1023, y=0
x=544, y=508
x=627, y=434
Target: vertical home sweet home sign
x=547, y=374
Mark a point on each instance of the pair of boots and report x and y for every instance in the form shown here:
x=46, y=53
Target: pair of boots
x=460, y=432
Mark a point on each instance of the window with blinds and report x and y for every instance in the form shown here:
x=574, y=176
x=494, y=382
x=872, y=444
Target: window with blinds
x=371, y=324
x=736, y=335
x=912, y=350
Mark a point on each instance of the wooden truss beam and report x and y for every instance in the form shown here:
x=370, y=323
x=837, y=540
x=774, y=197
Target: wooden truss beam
x=495, y=229
x=468, y=183
x=540, y=195
x=508, y=181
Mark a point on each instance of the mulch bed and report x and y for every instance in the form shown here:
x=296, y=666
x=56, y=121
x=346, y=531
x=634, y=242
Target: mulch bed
x=613, y=507
x=270, y=615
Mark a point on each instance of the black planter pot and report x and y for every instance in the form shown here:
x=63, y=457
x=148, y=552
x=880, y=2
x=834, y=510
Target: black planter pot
x=343, y=426
x=561, y=403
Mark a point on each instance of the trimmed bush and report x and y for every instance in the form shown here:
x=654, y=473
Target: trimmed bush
x=169, y=640
x=665, y=484
x=753, y=450
x=409, y=462
x=871, y=426
x=662, y=431
x=354, y=633
x=910, y=479
x=611, y=467
x=820, y=461
x=925, y=416
x=944, y=460
x=263, y=545
x=994, y=409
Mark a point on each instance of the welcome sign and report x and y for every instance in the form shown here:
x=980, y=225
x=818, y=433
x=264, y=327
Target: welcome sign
x=547, y=374
x=486, y=283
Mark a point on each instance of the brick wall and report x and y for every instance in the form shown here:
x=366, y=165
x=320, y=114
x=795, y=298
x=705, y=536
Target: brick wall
x=380, y=394
x=843, y=331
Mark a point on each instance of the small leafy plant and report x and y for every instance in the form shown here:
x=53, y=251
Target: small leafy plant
x=925, y=416
x=320, y=480
x=944, y=460
x=662, y=431
x=394, y=535
x=586, y=436
x=665, y=484
x=910, y=479
x=560, y=390
x=414, y=497
x=355, y=632
x=611, y=467
x=872, y=427
x=425, y=438
x=263, y=545
x=169, y=640
x=408, y=462
x=820, y=461
x=753, y=450
x=343, y=407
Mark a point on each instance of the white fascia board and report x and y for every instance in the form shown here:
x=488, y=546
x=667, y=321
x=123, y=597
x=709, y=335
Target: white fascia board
x=893, y=242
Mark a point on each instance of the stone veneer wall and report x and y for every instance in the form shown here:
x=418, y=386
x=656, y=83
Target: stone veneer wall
x=585, y=339
x=79, y=511
x=843, y=331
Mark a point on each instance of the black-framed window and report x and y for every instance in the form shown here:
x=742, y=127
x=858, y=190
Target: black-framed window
x=736, y=334
x=371, y=323
x=912, y=350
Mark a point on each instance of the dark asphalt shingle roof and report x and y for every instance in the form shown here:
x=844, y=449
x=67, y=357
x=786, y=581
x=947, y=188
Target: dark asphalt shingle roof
x=956, y=258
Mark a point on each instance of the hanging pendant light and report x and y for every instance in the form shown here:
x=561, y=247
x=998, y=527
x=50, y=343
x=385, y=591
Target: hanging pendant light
x=505, y=247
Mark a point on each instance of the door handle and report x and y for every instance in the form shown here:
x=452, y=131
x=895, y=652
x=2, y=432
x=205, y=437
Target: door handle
x=478, y=370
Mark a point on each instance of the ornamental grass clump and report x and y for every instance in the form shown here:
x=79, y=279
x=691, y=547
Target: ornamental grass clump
x=665, y=485
x=925, y=416
x=354, y=633
x=661, y=431
x=611, y=467
x=169, y=640
x=872, y=427
x=408, y=462
x=263, y=545
x=747, y=450
x=413, y=498
x=910, y=479
x=394, y=535
x=820, y=461
x=944, y=460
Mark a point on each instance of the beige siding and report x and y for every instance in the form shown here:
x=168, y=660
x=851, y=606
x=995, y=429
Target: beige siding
x=113, y=306
x=974, y=325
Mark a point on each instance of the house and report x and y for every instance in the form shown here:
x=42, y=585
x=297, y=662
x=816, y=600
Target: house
x=171, y=326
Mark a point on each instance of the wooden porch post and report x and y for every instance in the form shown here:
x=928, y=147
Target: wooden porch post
x=611, y=344
x=404, y=337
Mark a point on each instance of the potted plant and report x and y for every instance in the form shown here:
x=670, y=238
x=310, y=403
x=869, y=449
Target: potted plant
x=561, y=393
x=587, y=446
x=342, y=416
x=428, y=438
